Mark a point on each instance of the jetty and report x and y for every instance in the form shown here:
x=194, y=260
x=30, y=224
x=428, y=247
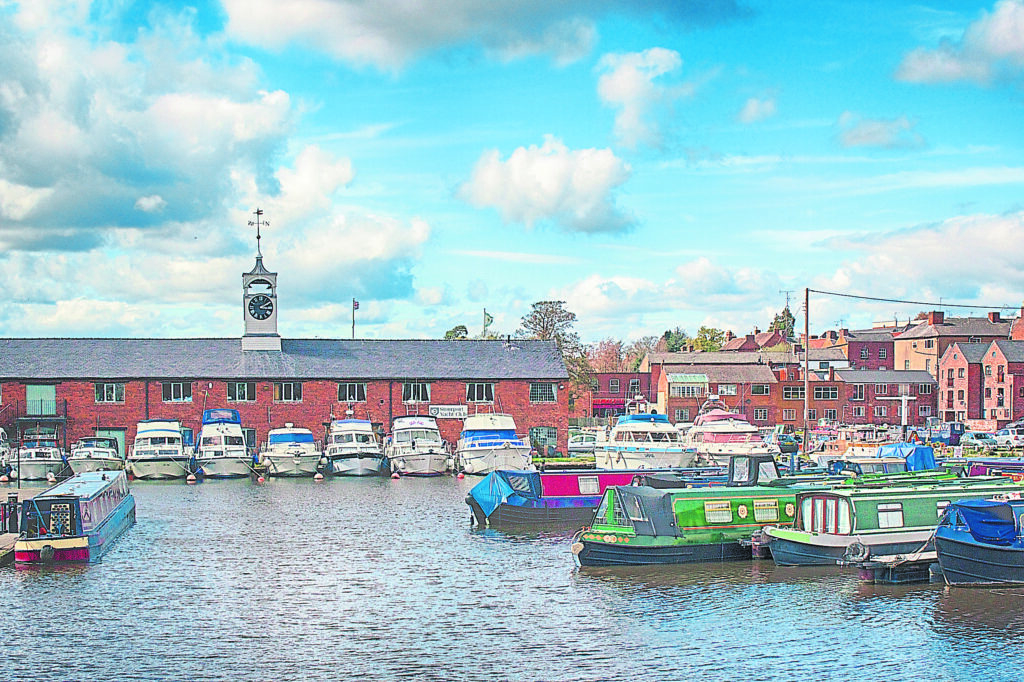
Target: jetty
x=895, y=569
x=9, y=519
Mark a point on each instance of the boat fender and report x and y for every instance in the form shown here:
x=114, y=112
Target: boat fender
x=46, y=553
x=857, y=551
x=318, y=476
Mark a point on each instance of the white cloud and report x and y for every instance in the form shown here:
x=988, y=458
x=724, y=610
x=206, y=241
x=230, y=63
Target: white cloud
x=755, y=110
x=991, y=48
x=570, y=187
x=628, y=82
x=153, y=202
x=885, y=133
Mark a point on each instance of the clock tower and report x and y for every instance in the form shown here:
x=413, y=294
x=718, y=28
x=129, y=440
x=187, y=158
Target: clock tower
x=259, y=302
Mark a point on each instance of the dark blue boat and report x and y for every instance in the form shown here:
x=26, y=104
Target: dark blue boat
x=979, y=543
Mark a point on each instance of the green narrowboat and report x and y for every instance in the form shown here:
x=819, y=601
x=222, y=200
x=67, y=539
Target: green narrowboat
x=638, y=525
x=859, y=521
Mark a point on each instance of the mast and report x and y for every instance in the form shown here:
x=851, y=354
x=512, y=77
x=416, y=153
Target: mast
x=793, y=463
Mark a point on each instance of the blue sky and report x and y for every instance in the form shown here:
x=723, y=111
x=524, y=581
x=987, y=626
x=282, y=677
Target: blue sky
x=652, y=164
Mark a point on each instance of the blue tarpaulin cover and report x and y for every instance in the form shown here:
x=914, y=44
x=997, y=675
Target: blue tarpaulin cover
x=918, y=457
x=291, y=438
x=522, y=488
x=990, y=521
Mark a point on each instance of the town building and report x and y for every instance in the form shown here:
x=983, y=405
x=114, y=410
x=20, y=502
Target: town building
x=612, y=391
x=921, y=346
x=962, y=382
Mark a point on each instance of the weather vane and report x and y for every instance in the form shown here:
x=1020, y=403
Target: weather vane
x=265, y=223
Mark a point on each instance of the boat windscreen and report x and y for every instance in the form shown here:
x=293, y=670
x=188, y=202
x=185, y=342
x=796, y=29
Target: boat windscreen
x=291, y=438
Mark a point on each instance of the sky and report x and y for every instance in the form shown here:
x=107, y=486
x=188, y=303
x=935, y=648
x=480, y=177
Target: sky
x=654, y=165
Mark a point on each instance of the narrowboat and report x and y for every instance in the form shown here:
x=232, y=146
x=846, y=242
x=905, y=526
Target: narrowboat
x=291, y=451
x=158, y=452
x=859, y=521
x=221, y=451
x=75, y=521
x=981, y=543
x=353, y=448
x=639, y=525
x=415, y=448
x=96, y=453
x=563, y=498
x=488, y=443
x=644, y=441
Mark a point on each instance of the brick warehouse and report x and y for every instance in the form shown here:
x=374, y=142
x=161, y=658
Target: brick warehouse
x=106, y=386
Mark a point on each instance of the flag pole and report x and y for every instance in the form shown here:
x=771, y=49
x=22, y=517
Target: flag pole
x=353, y=318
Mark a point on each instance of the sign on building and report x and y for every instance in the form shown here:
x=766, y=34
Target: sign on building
x=448, y=411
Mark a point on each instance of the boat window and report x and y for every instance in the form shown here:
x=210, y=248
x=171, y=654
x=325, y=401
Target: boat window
x=741, y=469
x=364, y=438
x=766, y=510
x=589, y=485
x=818, y=519
x=211, y=440
x=60, y=519
x=831, y=522
x=805, y=520
x=890, y=515
x=844, y=518
x=634, y=509
x=234, y=440
x=766, y=471
x=718, y=511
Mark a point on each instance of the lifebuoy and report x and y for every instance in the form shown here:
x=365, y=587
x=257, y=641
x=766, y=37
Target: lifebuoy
x=857, y=551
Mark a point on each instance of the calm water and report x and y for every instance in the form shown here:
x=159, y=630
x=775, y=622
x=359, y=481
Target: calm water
x=382, y=579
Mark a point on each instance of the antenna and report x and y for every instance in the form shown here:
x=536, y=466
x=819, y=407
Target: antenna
x=265, y=223
x=787, y=292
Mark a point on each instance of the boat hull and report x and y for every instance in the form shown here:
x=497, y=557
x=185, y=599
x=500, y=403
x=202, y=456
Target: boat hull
x=480, y=461
x=968, y=563
x=30, y=470
x=225, y=467
x=599, y=553
x=357, y=466
x=292, y=465
x=80, y=548
x=158, y=468
x=420, y=464
x=644, y=458
x=83, y=464
x=796, y=548
x=505, y=515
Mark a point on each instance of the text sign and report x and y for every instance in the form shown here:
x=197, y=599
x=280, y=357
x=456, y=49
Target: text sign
x=448, y=411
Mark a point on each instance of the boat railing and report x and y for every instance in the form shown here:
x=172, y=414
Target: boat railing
x=492, y=442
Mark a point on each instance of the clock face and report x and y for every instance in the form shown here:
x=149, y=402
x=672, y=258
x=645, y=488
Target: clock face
x=260, y=307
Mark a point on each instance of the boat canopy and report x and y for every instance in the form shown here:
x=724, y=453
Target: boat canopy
x=291, y=437
x=489, y=435
x=643, y=418
x=989, y=521
x=648, y=510
x=221, y=416
x=500, y=486
x=918, y=457
x=97, y=442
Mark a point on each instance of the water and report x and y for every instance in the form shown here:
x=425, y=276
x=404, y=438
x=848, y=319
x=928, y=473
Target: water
x=382, y=580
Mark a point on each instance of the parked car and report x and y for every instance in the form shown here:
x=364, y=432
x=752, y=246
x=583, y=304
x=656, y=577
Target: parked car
x=582, y=444
x=984, y=441
x=787, y=443
x=1010, y=438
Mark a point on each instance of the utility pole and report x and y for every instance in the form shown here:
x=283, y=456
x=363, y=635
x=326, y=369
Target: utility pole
x=793, y=460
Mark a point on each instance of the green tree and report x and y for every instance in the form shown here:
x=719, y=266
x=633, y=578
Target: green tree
x=550, y=321
x=635, y=351
x=784, y=323
x=456, y=333
x=709, y=339
x=673, y=340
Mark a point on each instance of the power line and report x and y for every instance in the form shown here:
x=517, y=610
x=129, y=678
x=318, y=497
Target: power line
x=940, y=304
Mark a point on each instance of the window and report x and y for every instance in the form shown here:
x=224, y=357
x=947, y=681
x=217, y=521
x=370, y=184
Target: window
x=924, y=410
x=110, y=393
x=929, y=343
x=924, y=389
x=682, y=415
x=542, y=393
x=726, y=389
x=906, y=364
x=542, y=436
x=988, y=392
x=177, y=392
x=882, y=354
x=766, y=511
x=812, y=415
x=863, y=353
x=759, y=389
x=831, y=415
x=479, y=393
x=880, y=410
x=959, y=394
x=928, y=365
x=793, y=393
x=823, y=364
x=351, y=393
x=288, y=391
x=241, y=391
x=881, y=389
x=634, y=387
x=718, y=512
x=857, y=392
x=415, y=392
x=988, y=370
x=685, y=391
x=788, y=415
x=890, y=515
x=826, y=392
x=760, y=414
x=960, y=373
x=613, y=385
x=858, y=411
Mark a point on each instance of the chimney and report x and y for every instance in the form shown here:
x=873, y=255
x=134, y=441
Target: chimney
x=831, y=373
x=844, y=332
x=750, y=337
x=783, y=374
x=993, y=317
x=728, y=335
x=936, y=317
x=756, y=330
x=798, y=349
x=832, y=335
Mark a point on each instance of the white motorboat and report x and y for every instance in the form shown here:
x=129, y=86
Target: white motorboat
x=718, y=433
x=38, y=456
x=291, y=451
x=643, y=441
x=5, y=452
x=856, y=441
x=220, y=450
x=489, y=443
x=415, y=448
x=97, y=453
x=353, y=448
x=158, y=451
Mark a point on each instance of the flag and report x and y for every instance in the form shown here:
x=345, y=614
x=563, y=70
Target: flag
x=355, y=304
x=487, y=319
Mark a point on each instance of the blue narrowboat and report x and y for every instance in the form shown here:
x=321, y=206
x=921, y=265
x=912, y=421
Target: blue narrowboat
x=75, y=521
x=981, y=543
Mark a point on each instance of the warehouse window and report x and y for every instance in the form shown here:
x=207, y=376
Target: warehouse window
x=351, y=392
x=177, y=392
x=241, y=391
x=416, y=392
x=288, y=392
x=542, y=393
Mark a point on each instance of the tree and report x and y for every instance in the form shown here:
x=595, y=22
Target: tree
x=550, y=321
x=709, y=338
x=606, y=356
x=456, y=333
x=673, y=340
x=635, y=352
x=784, y=323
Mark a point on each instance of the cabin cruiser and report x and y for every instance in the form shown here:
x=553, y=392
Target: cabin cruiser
x=489, y=443
x=353, y=448
x=38, y=456
x=415, y=448
x=96, y=453
x=158, y=451
x=5, y=453
x=643, y=441
x=718, y=434
x=856, y=441
x=221, y=451
x=291, y=451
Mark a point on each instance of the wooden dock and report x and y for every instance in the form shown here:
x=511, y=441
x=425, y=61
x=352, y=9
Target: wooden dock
x=896, y=569
x=7, y=539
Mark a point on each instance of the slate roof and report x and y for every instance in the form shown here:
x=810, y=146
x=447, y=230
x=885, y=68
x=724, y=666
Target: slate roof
x=973, y=352
x=727, y=374
x=1013, y=350
x=875, y=333
x=885, y=376
x=298, y=359
x=723, y=358
x=958, y=326
x=832, y=354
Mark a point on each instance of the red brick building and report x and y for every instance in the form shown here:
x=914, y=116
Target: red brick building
x=921, y=346
x=962, y=382
x=1003, y=369
x=612, y=390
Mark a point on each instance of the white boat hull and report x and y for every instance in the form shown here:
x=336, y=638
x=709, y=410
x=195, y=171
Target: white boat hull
x=480, y=461
x=643, y=458
x=36, y=470
x=357, y=466
x=161, y=469
x=225, y=467
x=420, y=464
x=292, y=465
x=82, y=464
